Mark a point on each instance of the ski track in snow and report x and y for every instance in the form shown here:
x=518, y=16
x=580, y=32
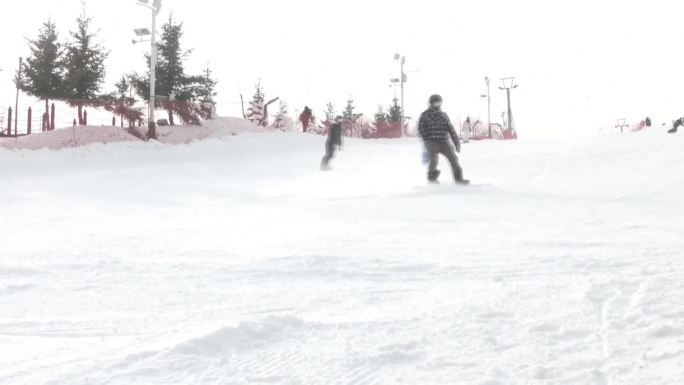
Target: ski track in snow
x=235, y=261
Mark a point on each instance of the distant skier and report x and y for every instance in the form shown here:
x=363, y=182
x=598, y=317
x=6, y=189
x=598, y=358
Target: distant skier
x=435, y=129
x=334, y=141
x=467, y=130
x=305, y=117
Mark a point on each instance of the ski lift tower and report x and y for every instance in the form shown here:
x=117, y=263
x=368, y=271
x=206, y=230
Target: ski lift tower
x=621, y=124
x=508, y=85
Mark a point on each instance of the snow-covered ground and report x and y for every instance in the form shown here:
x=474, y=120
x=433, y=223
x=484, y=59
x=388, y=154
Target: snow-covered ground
x=235, y=261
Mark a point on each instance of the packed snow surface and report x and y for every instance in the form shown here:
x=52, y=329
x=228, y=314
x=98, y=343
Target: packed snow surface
x=234, y=260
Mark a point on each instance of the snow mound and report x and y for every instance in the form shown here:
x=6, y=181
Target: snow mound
x=245, y=336
x=210, y=129
x=68, y=137
x=86, y=135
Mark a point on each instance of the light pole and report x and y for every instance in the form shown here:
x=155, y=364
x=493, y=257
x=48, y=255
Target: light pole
x=16, y=103
x=155, y=8
x=2, y=121
x=402, y=79
x=489, y=109
x=508, y=85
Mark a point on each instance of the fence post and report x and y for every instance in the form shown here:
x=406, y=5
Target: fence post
x=113, y=121
x=52, y=118
x=9, y=122
x=85, y=117
x=28, y=127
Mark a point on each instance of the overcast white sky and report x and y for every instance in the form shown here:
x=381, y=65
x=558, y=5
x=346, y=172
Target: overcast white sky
x=579, y=63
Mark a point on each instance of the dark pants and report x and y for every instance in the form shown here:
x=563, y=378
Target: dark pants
x=444, y=148
x=329, y=154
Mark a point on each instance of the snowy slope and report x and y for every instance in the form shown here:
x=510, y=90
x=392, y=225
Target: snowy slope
x=235, y=261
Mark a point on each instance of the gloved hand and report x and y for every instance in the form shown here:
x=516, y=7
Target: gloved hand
x=458, y=146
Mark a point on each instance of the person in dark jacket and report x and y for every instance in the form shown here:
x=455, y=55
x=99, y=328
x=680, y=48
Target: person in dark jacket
x=305, y=118
x=334, y=140
x=435, y=130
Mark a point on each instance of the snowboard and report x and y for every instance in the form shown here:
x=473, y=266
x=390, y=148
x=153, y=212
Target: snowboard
x=464, y=183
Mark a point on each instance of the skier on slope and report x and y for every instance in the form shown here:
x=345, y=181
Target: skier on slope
x=334, y=141
x=305, y=117
x=467, y=130
x=435, y=128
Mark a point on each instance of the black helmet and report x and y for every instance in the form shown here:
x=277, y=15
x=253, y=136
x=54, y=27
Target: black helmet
x=435, y=98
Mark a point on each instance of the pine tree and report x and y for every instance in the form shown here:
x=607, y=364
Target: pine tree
x=207, y=89
x=255, y=112
x=171, y=73
x=122, y=88
x=42, y=75
x=348, y=113
x=380, y=116
x=330, y=112
x=170, y=76
x=282, y=119
x=85, y=69
x=124, y=102
x=394, y=115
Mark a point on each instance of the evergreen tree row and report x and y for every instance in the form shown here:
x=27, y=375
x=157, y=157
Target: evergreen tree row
x=74, y=71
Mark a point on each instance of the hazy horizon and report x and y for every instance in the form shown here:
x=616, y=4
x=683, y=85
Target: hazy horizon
x=579, y=65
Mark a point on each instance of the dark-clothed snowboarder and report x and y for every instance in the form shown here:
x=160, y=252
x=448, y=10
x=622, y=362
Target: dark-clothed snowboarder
x=305, y=118
x=435, y=130
x=675, y=125
x=334, y=141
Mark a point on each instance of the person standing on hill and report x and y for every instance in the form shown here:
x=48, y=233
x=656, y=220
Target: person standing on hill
x=435, y=129
x=467, y=130
x=305, y=118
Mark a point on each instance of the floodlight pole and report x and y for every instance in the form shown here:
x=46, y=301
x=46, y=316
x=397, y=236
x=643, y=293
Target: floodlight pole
x=489, y=110
x=151, y=122
x=16, y=103
x=402, y=80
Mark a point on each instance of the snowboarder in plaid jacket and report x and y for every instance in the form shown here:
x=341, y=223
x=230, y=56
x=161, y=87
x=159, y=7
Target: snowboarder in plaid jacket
x=435, y=130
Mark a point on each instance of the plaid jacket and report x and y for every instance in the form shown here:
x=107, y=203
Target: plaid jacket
x=335, y=135
x=434, y=125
